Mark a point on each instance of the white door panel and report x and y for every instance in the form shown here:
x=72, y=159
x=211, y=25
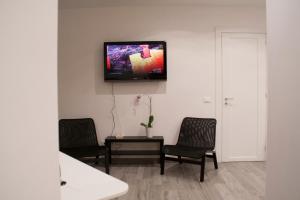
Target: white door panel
x=244, y=101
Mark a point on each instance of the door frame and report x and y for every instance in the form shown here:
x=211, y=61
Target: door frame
x=219, y=84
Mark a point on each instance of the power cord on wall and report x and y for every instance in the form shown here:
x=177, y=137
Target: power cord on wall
x=112, y=109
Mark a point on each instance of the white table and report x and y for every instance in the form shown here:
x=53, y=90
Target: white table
x=87, y=183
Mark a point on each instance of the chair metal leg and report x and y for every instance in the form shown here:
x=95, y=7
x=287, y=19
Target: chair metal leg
x=202, y=168
x=179, y=159
x=97, y=160
x=215, y=160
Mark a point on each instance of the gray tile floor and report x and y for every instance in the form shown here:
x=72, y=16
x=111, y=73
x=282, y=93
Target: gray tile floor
x=232, y=181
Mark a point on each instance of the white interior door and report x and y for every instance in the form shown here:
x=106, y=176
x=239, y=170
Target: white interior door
x=244, y=97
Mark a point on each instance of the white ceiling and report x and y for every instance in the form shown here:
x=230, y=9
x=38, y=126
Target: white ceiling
x=96, y=3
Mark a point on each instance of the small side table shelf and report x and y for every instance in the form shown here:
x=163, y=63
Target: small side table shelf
x=135, y=139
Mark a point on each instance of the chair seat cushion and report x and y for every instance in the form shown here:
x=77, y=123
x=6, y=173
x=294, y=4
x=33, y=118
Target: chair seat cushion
x=185, y=151
x=79, y=152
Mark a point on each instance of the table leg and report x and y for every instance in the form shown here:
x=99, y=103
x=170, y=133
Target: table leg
x=109, y=152
x=106, y=160
x=162, y=158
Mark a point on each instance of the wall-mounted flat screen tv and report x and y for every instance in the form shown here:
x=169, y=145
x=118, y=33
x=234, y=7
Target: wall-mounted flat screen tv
x=142, y=60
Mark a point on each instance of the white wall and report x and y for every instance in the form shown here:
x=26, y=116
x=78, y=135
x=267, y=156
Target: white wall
x=28, y=102
x=283, y=175
x=190, y=35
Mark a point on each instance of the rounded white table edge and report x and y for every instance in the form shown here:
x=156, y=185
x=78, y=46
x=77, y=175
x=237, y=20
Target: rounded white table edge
x=87, y=183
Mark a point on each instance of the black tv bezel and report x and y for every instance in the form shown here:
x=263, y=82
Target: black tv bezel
x=109, y=77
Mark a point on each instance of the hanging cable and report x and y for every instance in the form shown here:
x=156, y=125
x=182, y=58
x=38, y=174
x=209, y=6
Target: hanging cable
x=112, y=109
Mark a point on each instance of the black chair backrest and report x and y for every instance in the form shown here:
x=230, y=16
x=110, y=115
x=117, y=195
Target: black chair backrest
x=198, y=132
x=77, y=133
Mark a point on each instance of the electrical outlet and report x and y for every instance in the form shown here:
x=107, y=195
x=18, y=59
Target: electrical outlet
x=207, y=99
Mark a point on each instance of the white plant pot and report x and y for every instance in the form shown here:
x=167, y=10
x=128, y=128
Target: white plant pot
x=148, y=132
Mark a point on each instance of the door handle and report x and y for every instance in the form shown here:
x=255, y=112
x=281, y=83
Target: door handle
x=227, y=99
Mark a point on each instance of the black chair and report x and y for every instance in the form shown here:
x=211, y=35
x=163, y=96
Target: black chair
x=78, y=139
x=196, y=141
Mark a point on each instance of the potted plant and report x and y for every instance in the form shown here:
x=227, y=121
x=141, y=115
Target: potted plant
x=148, y=125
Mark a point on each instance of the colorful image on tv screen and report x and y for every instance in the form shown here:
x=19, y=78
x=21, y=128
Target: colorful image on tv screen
x=135, y=59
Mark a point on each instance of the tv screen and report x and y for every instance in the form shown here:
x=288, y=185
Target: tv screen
x=143, y=60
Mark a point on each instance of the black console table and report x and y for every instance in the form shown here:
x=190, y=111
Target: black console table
x=135, y=139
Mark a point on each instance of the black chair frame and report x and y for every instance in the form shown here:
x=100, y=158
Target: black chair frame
x=78, y=139
x=196, y=141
